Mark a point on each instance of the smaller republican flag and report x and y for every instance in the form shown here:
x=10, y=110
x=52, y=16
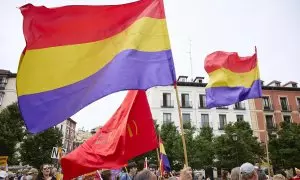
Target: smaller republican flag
x=232, y=78
x=164, y=161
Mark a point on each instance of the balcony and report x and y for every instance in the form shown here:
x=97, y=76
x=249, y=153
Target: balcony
x=286, y=108
x=222, y=107
x=268, y=108
x=186, y=104
x=167, y=104
x=239, y=106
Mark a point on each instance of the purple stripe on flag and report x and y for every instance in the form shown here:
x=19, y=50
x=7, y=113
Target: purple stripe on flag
x=165, y=162
x=224, y=96
x=130, y=69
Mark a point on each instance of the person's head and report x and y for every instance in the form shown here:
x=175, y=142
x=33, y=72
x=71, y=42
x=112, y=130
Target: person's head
x=279, y=177
x=235, y=173
x=224, y=174
x=132, y=168
x=152, y=167
x=186, y=173
x=145, y=175
x=45, y=170
x=248, y=172
x=106, y=175
x=297, y=171
x=33, y=173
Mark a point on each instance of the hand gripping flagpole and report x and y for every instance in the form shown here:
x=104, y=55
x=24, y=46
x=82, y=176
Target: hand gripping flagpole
x=181, y=125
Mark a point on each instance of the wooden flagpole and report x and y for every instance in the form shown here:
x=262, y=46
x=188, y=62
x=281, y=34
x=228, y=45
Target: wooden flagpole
x=181, y=125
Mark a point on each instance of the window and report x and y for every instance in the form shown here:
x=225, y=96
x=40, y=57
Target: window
x=223, y=121
x=287, y=118
x=186, y=117
x=269, y=122
x=185, y=102
x=283, y=103
x=239, y=118
x=204, y=120
x=167, y=100
x=61, y=126
x=266, y=103
x=298, y=103
x=239, y=105
x=1, y=97
x=167, y=117
x=202, y=100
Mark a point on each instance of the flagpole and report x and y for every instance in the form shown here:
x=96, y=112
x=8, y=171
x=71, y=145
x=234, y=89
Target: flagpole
x=181, y=125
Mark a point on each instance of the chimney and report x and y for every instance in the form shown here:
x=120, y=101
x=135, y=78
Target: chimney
x=290, y=84
x=274, y=83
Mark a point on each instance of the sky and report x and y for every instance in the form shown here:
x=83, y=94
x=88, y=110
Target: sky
x=204, y=26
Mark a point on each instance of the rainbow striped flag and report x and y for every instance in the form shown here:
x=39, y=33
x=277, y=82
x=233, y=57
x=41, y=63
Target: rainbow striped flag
x=164, y=161
x=78, y=54
x=231, y=78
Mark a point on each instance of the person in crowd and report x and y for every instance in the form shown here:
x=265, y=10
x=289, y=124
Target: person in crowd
x=3, y=173
x=225, y=175
x=33, y=173
x=106, y=175
x=45, y=173
x=132, y=168
x=279, y=177
x=297, y=177
x=248, y=172
x=186, y=174
x=235, y=173
x=260, y=172
x=145, y=175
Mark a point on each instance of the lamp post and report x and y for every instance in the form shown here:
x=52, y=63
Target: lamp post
x=235, y=138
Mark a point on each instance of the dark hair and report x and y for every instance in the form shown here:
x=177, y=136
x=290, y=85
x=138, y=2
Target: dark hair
x=143, y=175
x=131, y=165
x=106, y=175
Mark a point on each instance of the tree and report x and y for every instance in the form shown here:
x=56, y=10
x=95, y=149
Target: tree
x=11, y=132
x=246, y=148
x=36, y=149
x=172, y=144
x=284, y=149
x=203, y=152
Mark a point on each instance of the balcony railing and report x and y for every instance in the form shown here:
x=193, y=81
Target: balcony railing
x=239, y=107
x=186, y=104
x=287, y=108
x=222, y=107
x=268, y=108
x=167, y=104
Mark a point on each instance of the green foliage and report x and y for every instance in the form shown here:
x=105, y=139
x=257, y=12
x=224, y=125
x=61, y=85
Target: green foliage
x=284, y=149
x=36, y=149
x=11, y=132
x=246, y=148
x=202, y=151
x=172, y=143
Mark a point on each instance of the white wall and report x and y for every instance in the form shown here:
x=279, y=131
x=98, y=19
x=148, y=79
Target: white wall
x=155, y=98
x=10, y=94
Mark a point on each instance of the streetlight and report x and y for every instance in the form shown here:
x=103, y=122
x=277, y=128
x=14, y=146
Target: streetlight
x=235, y=138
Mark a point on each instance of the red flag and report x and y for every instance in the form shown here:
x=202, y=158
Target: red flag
x=129, y=132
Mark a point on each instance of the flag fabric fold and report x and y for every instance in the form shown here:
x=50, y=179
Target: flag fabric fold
x=78, y=54
x=231, y=78
x=164, y=161
x=118, y=141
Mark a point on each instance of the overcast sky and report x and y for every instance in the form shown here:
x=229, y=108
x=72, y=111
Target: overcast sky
x=231, y=25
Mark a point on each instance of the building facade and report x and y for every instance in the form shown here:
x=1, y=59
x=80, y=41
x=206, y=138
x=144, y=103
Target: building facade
x=81, y=136
x=279, y=103
x=67, y=128
x=163, y=104
x=8, y=94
